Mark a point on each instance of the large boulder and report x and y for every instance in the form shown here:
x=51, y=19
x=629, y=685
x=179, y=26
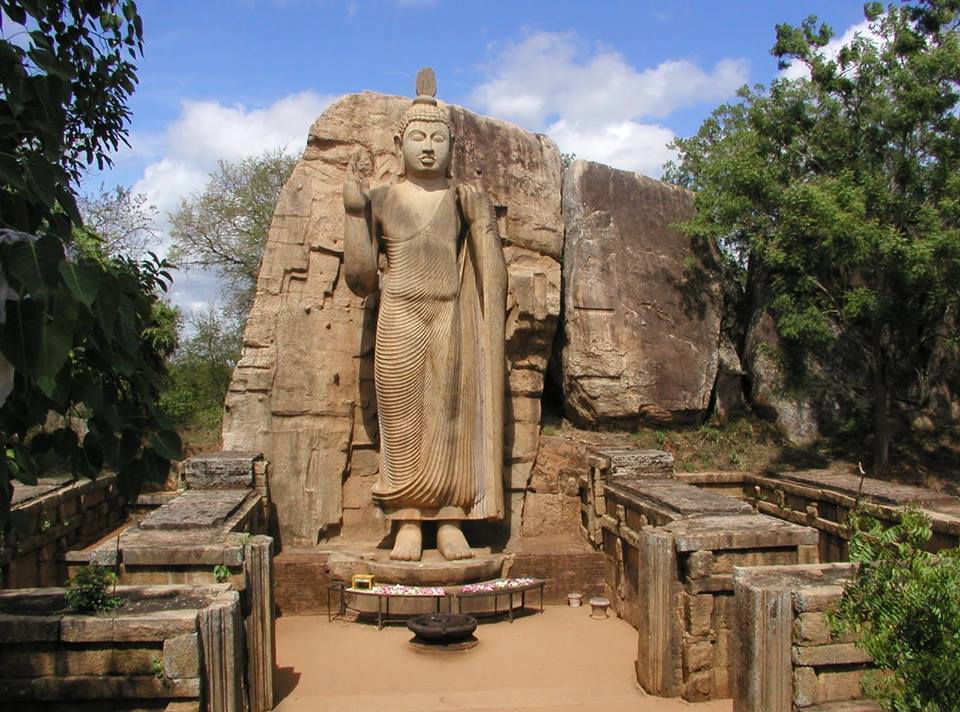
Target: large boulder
x=642, y=305
x=302, y=392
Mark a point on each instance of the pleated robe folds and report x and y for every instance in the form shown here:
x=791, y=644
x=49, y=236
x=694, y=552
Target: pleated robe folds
x=439, y=371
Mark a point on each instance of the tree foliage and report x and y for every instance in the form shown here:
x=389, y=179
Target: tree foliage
x=225, y=226
x=119, y=221
x=200, y=371
x=904, y=603
x=842, y=191
x=73, y=326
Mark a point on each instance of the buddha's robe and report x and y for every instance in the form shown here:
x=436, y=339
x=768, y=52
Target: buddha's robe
x=439, y=369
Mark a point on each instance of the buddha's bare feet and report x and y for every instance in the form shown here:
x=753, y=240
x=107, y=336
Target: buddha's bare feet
x=408, y=545
x=451, y=542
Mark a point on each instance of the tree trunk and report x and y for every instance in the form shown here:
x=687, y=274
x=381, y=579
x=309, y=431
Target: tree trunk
x=881, y=421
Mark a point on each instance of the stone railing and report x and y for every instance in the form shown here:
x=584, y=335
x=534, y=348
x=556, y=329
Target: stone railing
x=50, y=518
x=786, y=659
x=181, y=648
x=823, y=499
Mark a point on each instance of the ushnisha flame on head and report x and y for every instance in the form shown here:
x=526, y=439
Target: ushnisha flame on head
x=424, y=107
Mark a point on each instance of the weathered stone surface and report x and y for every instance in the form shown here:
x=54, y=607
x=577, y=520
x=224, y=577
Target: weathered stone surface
x=836, y=654
x=302, y=392
x=662, y=501
x=196, y=509
x=220, y=470
x=792, y=412
x=181, y=656
x=872, y=489
x=771, y=672
x=634, y=461
x=641, y=332
x=738, y=531
x=729, y=393
x=560, y=462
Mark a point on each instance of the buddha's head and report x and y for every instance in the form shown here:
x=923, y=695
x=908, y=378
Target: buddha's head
x=423, y=139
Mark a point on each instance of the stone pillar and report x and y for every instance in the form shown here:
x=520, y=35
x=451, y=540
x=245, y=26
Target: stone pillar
x=221, y=636
x=261, y=644
x=762, y=670
x=658, y=626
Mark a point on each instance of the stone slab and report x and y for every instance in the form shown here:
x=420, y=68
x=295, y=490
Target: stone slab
x=836, y=654
x=672, y=498
x=431, y=570
x=634, y=461
x=24, y=493
x=738, y=531
x=196, y=509
x=808, y=582
x=221, y=470
x=872, y=489
x=97, y=687
x=156, y=626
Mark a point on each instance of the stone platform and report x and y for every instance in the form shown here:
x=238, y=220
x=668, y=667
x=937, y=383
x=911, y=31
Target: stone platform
x=431, y=570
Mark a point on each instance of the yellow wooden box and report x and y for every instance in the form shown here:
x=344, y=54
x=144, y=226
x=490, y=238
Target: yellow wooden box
x=362, y=582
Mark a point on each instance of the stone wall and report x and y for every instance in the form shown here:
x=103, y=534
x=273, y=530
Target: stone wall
x=210, y=533
x=822, y=499
x=671, y=549
x=181, y=653
x=302, y=392
x=642, y=304
x=50, y=518
x=786, y=658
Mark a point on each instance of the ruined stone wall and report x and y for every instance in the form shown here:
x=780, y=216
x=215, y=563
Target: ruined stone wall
x=302, y=392
x=50, y=518
x=184, y=652
x=786, y=658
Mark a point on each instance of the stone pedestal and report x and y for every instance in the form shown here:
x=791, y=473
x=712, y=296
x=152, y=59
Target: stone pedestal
x=431, y=570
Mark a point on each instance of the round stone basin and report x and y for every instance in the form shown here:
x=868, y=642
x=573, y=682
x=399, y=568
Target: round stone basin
x=443, y=630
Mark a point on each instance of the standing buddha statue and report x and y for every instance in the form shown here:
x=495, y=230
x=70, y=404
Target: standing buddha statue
x=439, y=349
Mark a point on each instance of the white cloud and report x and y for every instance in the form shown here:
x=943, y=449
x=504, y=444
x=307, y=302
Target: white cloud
x=592, y=104
x=188, y=150
x=627, y=144
x=206, y=132
x=798, y=70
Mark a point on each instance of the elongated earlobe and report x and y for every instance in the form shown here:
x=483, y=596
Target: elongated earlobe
x=398, y=146
x=453, y=147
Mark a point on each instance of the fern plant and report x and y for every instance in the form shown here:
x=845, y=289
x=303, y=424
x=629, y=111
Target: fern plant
x=904, y=603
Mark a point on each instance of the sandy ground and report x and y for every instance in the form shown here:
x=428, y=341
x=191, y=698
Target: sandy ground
x=560, y=661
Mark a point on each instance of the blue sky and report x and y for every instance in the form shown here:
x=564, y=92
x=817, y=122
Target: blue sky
x=610, y=81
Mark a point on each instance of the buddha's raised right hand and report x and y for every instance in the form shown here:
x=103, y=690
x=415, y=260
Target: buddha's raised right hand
x=355, y=198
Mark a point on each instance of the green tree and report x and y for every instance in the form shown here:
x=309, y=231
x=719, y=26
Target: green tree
x=200, y=371
x=842, y=191
x=904, y=605
x=72, y=326
x=225, y=226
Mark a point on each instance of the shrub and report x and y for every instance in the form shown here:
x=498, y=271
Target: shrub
x=87, y=592
x=904, y=603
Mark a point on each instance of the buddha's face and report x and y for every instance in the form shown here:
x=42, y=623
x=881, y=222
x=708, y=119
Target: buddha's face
x=426, y=149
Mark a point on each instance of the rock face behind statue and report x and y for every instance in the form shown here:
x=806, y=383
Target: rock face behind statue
x=641, y=327
x=303, y=391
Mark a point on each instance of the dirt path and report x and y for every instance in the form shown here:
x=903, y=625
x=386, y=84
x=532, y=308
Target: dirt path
x=559, y=661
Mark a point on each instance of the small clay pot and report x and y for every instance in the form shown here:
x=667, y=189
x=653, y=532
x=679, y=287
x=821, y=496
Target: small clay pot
x=574, y=599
